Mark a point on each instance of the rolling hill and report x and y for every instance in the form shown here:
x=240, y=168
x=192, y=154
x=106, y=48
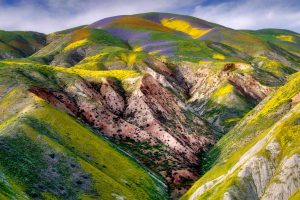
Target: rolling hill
x=142, y=106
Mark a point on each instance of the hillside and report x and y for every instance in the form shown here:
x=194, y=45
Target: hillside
x=142, y=106
x=286, y=39
x=257, y=160
x=46, y=153
x=18, y=44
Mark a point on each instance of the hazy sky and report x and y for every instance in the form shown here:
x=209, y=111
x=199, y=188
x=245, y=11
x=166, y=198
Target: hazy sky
x=53, y=15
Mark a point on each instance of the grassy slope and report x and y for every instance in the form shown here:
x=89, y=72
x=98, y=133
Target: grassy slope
x=108, y=56
x=177, y=45
x=227, y=104
x=47, y=153
x=254, y=126
x=187, y=49
x=253, y=43
x=15, y=65
x=241, y=41
x=76, y=38
x=110, y=50
x=212, y=32
x=286, y=39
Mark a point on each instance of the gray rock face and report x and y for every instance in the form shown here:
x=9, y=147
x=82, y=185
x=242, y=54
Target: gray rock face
x=287, y=181
x=253, y=178
x=255, y=175
x=266, y=179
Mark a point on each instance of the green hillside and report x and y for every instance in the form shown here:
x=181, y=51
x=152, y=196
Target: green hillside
x=48, y=154
x=255, y=145
x=286, y=39
x=150, y=106
x=18, y=44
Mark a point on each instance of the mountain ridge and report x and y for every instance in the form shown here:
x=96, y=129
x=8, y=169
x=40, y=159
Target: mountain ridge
x=166, y=94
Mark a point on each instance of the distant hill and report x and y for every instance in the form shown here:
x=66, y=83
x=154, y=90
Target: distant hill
x=18, y=44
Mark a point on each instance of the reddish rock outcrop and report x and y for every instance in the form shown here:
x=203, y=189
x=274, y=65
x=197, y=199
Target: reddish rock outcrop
x=249, y=87
x=152, y=124
x=158, y=66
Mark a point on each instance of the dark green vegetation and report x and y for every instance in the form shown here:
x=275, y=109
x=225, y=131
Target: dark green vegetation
x=138, y=107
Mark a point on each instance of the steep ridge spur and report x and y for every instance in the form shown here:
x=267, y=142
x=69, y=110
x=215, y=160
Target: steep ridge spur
x=264, y=164
x=48, y=154
x=170, y=135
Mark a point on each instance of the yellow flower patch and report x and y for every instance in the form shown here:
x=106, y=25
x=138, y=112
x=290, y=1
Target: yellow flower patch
x=218, y=57
x=76, y=44
x=183, y=26
x=287, y=38
x=129, y=58
x=228, y=88
x=118, y=74
x=137, y=49
x=154, y=52
x=229, y=120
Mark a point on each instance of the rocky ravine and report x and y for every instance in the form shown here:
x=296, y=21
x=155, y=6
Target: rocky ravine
x=149, y=119
x=160, y=132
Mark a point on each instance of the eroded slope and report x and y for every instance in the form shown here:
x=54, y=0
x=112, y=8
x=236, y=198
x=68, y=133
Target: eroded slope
x=46, y=153
x=258, y=158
